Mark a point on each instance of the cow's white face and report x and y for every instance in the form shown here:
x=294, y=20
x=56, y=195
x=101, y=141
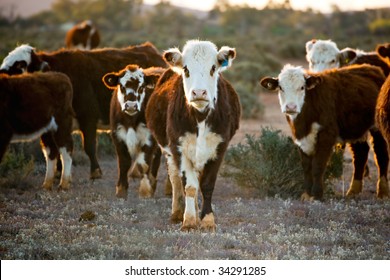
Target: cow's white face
x=16, y=61
x=199, y=65
x=130, y=84
x=322, y=55
x=291, y=84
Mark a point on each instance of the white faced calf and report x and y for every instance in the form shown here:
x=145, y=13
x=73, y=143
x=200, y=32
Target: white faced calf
x=329, y=107
x=193, y=113
x=133, y=141
x=324, y=54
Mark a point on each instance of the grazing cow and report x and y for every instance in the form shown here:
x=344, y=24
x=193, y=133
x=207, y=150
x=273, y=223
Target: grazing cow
x=328, y=107
x=193, y=114
x=83, y=36
x=39, y=105
x=133, y=87
x=91, y=99
x=324, y=54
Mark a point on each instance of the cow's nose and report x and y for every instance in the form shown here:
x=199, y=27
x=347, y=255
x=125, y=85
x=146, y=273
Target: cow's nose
x=291, y=107
x=131, y=106
x=199, y=93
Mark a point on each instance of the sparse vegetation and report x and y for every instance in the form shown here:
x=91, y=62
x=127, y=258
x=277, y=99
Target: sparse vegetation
x=271, y=164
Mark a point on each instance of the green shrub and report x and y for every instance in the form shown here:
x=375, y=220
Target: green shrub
x=271, y=164
x=15, y=166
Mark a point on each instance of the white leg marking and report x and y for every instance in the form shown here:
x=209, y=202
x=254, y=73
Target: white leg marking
x=66, y=175
x=50, y=169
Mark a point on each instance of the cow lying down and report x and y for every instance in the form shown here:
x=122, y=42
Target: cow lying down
x=329, y=107
x=132, y=139
x=39, y=105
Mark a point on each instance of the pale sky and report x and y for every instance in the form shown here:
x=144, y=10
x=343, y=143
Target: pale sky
x=320, y=5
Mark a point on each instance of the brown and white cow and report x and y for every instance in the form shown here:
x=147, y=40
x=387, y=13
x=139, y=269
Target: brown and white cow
x=383, y=103
x=328, y=107
x=83, y=36
x=324, y=54
x=91, y=99
x=133, y=141
x=39, y=105
x=193, y=114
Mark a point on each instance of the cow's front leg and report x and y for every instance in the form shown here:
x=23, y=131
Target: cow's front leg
x=360, y=155
x=319, y=163
x=124, y=164
x=142, y=163
x=307, y=176
x=89, y=144
x=190, y=218
x=177, y=190
x=207, y=183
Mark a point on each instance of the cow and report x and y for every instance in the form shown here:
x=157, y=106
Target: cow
x=324, y=54
x=332, y=106
x=39, y=105
x=383, y=103
x=132, y=88
x=193, y=113
x=91, y=99
x=84, y=36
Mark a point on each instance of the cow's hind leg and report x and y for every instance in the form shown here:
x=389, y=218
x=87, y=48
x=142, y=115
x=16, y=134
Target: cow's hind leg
x=360, y=155
x=50, y=151
x=89, y=145
x=382, y=162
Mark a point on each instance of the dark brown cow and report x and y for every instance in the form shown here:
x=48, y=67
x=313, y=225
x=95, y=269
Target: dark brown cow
x=328, y=107
x=132, y=139
x=83, y=36
x=91, y=99
x=193, y=113
x=383, y=104
x=39, y=105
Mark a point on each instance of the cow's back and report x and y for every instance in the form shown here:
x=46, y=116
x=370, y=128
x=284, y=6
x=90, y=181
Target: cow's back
x=347, y=98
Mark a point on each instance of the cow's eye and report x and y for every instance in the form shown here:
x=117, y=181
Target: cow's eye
x=333, y=61
x=281, y=89
x=212, y=71
x=186, y=72
x=302, y=87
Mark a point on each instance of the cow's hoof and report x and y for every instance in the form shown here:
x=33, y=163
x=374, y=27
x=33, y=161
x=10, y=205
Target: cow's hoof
x=382, y=189
x=208, y=223
x=48, y=185
x=306, y=197
x=121, y=192
x=64, y=186
x=145, y=190
x=177, y=217
x=96, y=174
x=355, y=188
x=189, y=223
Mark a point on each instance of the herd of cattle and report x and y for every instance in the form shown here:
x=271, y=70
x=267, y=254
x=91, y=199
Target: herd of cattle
x=179, y=105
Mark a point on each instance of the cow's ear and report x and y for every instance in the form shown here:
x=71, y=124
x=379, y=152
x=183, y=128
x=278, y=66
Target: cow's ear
x=346, y=56
x=383, y=50
x=225, y=57
x=312, y=81
x=111, y=80
x=309, y=45
x=270, y=83
x=151, y=80
x=173, y=57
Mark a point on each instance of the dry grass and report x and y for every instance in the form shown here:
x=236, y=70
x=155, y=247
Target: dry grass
x=35, y=224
